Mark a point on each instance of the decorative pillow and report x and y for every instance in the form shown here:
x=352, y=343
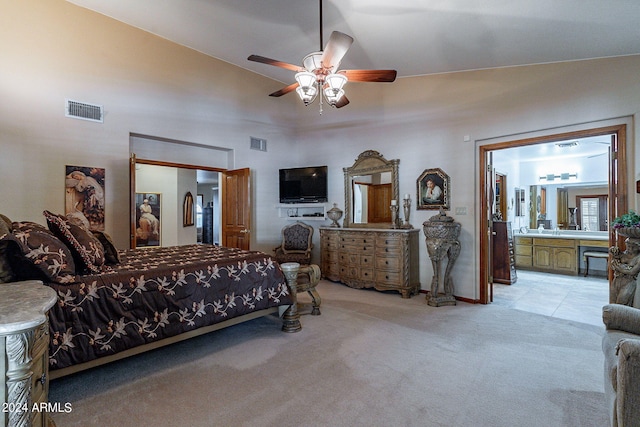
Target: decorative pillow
x=6, y=273
x=111, y=254
x=6, y=220
x=35, y=253
x=86, y=248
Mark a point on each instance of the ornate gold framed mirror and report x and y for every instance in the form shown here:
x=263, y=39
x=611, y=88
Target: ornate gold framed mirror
x=369, y=187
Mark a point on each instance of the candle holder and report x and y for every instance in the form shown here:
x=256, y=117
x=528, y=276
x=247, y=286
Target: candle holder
x=394, y=216
x=406, y=206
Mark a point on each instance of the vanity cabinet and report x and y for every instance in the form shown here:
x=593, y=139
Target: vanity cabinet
x=553, y=255
x=24, y=343
x=372, y=258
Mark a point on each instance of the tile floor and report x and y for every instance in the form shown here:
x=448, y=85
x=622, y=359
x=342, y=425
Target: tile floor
x=568, y=297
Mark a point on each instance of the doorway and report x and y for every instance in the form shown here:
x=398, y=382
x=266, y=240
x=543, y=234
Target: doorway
x=616, y=185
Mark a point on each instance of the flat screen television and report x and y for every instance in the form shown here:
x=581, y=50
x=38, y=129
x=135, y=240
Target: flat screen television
x=303, y=185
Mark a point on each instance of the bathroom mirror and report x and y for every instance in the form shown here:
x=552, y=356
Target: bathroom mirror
x=369, y=186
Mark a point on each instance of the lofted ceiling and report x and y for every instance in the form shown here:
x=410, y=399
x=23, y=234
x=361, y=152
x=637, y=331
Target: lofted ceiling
x=415, y=37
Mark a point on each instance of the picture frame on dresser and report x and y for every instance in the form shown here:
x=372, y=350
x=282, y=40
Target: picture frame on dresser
x=433, y=187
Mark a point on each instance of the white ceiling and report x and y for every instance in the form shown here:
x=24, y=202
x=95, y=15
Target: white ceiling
x=415, y=37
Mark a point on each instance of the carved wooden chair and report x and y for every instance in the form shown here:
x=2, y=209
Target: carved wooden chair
x=296, y=244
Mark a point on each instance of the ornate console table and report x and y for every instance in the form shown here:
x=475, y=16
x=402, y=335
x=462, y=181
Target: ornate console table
x=24, y=344
x=384, y=259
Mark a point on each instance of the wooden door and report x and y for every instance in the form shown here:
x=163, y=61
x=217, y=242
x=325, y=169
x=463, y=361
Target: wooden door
x=236, y=208
x=379, y=201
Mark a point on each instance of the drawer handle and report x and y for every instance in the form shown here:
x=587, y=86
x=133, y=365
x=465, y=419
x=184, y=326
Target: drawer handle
x=386, y=262
x=43, y=379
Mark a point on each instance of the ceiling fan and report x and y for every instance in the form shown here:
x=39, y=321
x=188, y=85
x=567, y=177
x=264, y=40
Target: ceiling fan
x=319, y=72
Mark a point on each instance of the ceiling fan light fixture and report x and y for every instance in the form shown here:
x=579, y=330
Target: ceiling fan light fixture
x=332, y=97
x=306, y=81
x=336, y=82
x=312, y=61
x=307, y=96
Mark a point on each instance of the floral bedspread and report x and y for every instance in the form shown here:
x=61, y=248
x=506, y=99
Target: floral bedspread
x=155, y=293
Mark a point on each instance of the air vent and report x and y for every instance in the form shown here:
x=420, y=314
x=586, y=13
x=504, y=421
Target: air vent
x=84, y=111
x=258, y=144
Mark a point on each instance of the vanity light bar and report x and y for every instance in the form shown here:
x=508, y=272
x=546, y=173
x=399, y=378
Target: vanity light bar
x=562, y=176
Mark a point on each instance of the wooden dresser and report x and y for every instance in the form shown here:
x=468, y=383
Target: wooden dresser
x=384, y=259
x=503, y=256
x=24, y=342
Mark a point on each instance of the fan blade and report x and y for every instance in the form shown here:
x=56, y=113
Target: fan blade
x=337, y=46
x=285, y=90
x=342, y=101
x=380, y=76
x=269, y=61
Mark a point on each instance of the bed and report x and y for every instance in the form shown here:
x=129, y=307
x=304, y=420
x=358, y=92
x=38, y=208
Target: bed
x=116, y=303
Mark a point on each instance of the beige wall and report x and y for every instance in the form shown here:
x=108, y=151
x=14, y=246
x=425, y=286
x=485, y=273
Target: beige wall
x=55, y=50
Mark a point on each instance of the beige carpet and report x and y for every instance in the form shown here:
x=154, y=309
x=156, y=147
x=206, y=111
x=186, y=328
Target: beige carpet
x=370, y=359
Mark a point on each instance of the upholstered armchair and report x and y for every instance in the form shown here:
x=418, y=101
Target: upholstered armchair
x=621, y=348
x=296, y=244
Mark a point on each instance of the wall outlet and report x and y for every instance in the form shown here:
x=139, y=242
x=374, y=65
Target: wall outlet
x=461, y=211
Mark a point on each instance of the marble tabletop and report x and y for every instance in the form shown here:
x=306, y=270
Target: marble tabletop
x=23, y=305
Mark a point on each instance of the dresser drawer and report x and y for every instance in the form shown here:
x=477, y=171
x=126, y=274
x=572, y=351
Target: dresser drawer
x=361, y=248
x=330, y=256
x=367, y=261
x=356, y=240
x=524, y=250
x=389, y=241
x=389, y=277
x=388, y=251
x=329, y=245
x=388, y=263
x=367, y=274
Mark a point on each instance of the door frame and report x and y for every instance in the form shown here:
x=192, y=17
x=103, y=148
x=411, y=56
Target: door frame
x=132, y=186
x=618, y=189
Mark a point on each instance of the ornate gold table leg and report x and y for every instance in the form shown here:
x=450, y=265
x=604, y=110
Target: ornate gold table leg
x=313, y=271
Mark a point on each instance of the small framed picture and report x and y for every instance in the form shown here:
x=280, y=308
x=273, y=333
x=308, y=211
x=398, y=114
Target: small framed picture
x=187, y=210
x=148, y=216
x=433, y=190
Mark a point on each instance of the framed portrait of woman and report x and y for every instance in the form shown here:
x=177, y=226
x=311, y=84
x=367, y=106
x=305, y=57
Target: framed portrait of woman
x=148, y=216
x=433, y=190
x=84, y=196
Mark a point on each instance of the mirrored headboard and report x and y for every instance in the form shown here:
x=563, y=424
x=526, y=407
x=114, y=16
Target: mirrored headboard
x=369, y=186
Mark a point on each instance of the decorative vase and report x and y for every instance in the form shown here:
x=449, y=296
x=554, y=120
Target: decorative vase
x=334, y=215
x=572, y=216
x=630, y=232
x=443, y=247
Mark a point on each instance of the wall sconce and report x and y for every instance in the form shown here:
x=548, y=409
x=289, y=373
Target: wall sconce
x=562, y=176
